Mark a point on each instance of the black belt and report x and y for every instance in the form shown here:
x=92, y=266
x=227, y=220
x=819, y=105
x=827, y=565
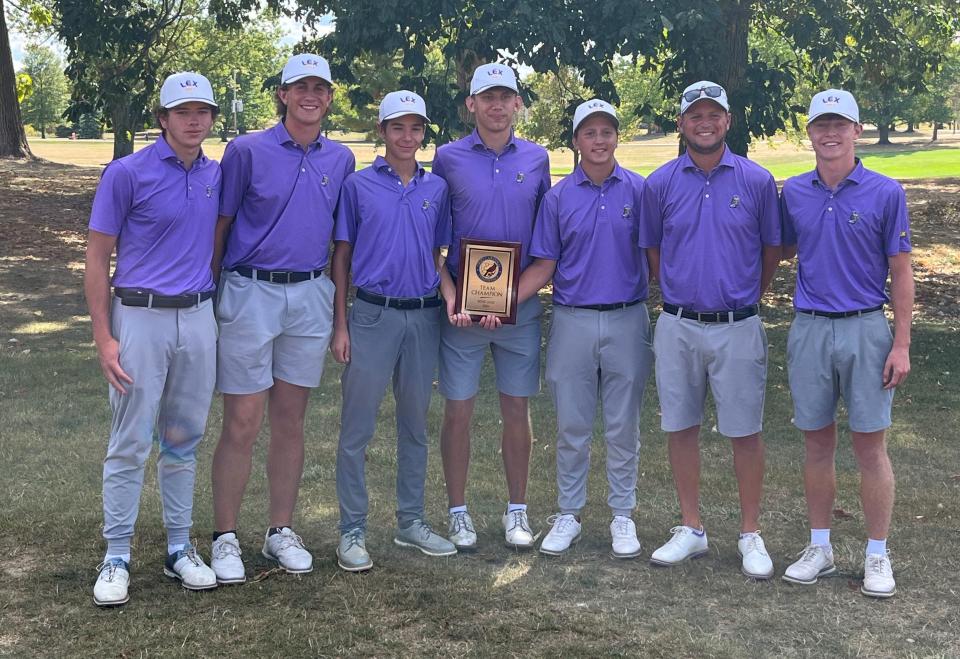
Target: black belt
x=138, y=297
x=839, y=314
x=276, y=276
x=399, y=302
x=712, y=316
x=606, y=307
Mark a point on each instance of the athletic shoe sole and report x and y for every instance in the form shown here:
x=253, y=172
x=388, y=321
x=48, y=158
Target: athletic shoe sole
x=465, y=549
x=758, y=577
x=550, y=552
x=107, y=605
x=284, y=567
x=173, y=575
x=634, y=554
x=428, y=552
x=878, y=594
x=231, y=582
x=823, y=573
x=353, y=568
x=688, y=557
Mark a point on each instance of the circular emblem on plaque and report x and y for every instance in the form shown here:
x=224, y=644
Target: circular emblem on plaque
x=489, y=268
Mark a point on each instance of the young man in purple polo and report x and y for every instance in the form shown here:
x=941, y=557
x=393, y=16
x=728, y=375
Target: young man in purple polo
x=156, y=335
x=585, y=238
x=849, y=228
x=496, y=183
x=275, y=309
x=711, y=226
x=392, y=221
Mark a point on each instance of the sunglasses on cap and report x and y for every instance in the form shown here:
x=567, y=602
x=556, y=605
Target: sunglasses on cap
x=713, y=91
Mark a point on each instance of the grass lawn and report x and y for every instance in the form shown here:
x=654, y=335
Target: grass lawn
x=54, y=421
x=911, y=157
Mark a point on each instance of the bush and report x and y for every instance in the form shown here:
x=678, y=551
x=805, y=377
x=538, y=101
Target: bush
x=63, y=130
x=30, y=131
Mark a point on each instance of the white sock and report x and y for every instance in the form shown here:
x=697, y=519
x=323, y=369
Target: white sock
x=820, y=537
x=173, y=549
x=877, y=546
x=511, y=507
x=458, y=509
x=124, y=557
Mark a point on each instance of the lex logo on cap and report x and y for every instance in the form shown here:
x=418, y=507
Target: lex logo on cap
x=495, y=73
x=409, y=100
x=595, y=104
x=189, y=84
x=831, y=100
x=310, y=63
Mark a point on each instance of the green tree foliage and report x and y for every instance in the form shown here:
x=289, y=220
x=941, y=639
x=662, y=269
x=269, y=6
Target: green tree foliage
x=892, y=54
x=548, y=119
x=50, y=92
x=253, y=52
x=24, y=86
x=118, y=53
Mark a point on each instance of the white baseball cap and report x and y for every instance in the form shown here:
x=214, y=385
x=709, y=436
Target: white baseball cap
x=834, y=101
x=305, y=65
x=704, y=89
x=401, y=103
x=493, y=75
x=185, y=87
x=592, y=107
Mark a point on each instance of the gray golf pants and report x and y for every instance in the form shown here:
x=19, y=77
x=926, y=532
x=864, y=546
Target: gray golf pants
x=171, y=356
x=386, y=344
x=605, y=357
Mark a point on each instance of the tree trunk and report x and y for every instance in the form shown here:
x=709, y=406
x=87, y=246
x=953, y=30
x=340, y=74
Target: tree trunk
x=13, y=139
x=466, y=62
x=910, y=128
x=123, y=129
x=936, y=129
x=732, y=64
x=884, y=130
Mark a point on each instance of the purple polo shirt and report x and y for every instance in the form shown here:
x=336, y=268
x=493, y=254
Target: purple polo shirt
x=591, y=232
x=164, y=218
x=711, y=228
x=844, y=238
x=493, y=197
x=394, y=229
x=282, y=199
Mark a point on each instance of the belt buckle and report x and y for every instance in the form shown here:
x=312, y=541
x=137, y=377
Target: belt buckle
x=284, y=277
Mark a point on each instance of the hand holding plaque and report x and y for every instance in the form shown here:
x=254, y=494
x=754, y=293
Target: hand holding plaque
x=488, y=280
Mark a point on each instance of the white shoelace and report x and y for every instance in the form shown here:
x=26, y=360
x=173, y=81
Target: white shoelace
x=288, y=540
x=111, y=569
x=811, y=553
x=225, y=548
x=754, y=544
x=561, y=522
x=190, y=553
x=878, y=565
x=621, y=526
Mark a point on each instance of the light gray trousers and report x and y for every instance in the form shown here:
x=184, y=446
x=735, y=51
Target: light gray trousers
x=171, y=356
x=386, y=344
x=600, y=357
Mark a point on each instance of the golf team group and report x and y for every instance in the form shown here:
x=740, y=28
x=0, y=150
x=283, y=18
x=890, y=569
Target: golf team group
x=221, y=284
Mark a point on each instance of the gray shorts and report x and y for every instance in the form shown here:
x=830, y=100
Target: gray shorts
x=730, y=357
x=270, y=331
x=516, y=355
x=832, y=357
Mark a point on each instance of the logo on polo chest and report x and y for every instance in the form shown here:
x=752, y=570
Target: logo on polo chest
x=324, y=179
x=735, y=201
x=489, y=268
x=854, y=217
x=627, y=210
x=426, y=204
x=520, y=177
